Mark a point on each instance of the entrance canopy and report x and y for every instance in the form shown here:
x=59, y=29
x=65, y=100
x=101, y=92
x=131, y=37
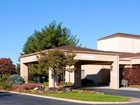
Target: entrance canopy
x=83, y=56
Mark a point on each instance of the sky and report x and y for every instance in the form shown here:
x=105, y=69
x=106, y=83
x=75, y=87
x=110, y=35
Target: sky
x=89, y=20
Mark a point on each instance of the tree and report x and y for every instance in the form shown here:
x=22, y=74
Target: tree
x=18, y=68
x=6, y=68
x=54, y=35
x=57, y=61
x=49, y=37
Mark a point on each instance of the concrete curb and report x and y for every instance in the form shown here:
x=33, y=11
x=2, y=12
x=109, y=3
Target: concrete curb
x=72, y=100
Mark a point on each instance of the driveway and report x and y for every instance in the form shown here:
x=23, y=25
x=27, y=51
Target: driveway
x=128, y=93
x=14, y=99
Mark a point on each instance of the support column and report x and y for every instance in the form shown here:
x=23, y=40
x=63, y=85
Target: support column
x=24, y=71
x=114, y=74
x=77, y=75
x=53, y=81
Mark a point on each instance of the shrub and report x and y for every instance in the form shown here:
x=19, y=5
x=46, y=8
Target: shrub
x=15, y=80
x=67, y=84
x=45, y=84
x=4, y=86
x=4, y=77
x=27, y=86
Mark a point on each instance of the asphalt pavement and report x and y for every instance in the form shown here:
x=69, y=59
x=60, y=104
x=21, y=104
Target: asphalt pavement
x=119, y=92
x=16, y=99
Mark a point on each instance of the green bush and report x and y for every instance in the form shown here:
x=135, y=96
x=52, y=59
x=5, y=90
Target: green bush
x=45, y=84
x=4, y=86
x=4, y=77
x=15, y=80
x=68, y=84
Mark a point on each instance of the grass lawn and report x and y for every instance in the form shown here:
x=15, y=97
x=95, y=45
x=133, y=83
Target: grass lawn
x=82, y=95
x=89, y=96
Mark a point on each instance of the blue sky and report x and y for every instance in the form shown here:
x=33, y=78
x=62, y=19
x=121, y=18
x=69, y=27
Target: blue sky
x=88, y=19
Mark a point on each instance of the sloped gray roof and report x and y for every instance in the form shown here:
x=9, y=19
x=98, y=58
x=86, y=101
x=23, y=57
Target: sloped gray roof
x=121, y=35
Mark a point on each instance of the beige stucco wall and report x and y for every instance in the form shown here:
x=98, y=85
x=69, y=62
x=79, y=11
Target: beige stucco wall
x=95, y=57
x=125, y=61
x=24, y=71
x=28, y=59
x=96, y=73
x=110, y=44
x=135, y=61
x=69, y=77
x=136, y=45
x=91, y=72
x=86, y=56
x=120, y=44
x=130, y=61
x=126, y=44
x=129, y=45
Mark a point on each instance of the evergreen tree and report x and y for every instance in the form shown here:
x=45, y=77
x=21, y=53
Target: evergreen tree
x=49, y=37
x=54, y=35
